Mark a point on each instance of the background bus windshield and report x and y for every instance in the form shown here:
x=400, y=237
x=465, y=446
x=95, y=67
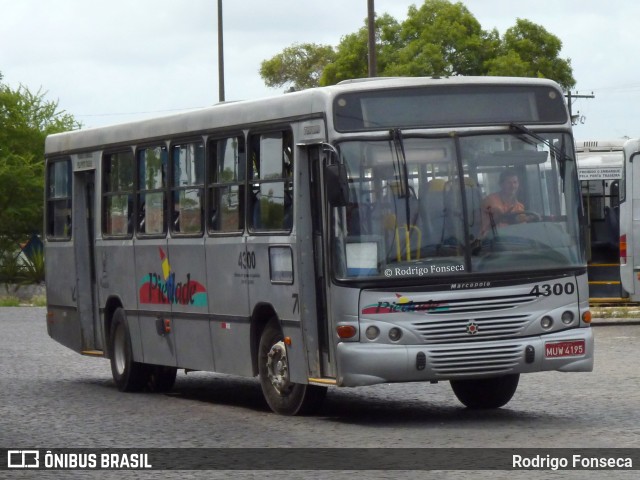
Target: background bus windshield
x=506, y=205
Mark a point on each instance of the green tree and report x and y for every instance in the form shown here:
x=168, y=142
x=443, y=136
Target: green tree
x=26, y=118
x=299, y=65
x=528, y=50
x=352, y=55
x=440, y=38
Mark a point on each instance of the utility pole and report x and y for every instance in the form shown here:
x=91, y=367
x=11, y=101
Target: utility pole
x=220, y=55
x=570, y=96
x=372, y=38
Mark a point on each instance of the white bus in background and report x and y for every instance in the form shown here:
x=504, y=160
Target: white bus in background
x=630, y=220
x=326, y=238
x=600, y=170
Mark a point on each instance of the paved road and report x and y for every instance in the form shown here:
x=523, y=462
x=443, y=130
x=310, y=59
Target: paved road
x=51, y=397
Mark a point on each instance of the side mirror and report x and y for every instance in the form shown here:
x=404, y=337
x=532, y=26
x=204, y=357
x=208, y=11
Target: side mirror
x=335, y=176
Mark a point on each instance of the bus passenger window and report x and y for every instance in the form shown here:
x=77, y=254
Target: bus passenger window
x=59, y=200
x=271, y=199
x=188, y=188
x=226, y=185
x=117, y=191
x=152, y=165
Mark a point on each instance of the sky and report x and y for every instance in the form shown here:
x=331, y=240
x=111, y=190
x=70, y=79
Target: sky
x=113, y=61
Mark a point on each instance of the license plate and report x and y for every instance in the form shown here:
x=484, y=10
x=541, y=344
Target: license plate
x=569, y=348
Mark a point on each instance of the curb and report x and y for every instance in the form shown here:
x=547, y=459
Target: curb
x=598, y=322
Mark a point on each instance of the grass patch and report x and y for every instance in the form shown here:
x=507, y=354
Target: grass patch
x=9, y=302
x=39, y=301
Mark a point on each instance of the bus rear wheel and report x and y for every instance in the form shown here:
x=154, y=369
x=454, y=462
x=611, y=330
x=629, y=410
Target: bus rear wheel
x=282, y=395
x=485, y=393
x=128, y=375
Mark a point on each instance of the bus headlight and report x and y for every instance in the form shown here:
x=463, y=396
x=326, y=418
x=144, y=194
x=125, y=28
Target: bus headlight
x=567, y=317
x=546, y=322
x=395, y=334
x=372, y=332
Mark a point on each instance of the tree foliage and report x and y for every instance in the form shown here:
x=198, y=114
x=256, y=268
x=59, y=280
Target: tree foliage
x=439, y=38
x=26, y=118
x=299, y=65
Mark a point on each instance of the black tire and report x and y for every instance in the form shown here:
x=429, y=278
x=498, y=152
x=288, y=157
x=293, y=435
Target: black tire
x=485, y=393
x=161, y=378
x=283, y=396
x=129, y=376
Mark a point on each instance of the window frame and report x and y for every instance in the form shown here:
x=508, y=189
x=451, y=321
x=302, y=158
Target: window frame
x=106, y=194
x=173, y=188
x=213, y=183
x=255, y=183
x=163, y=189
x=51, y=200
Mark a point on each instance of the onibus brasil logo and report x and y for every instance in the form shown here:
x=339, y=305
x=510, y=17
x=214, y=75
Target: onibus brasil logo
x=162, y=288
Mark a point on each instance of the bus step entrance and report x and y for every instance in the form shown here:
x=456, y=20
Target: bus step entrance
x=604, y=282
x=93, y=353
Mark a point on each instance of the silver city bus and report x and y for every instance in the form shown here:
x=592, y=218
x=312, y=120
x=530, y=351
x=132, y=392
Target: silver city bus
x=388, y=230
x=629, y=216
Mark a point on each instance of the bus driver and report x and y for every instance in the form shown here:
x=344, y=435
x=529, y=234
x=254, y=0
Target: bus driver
x=503, y=208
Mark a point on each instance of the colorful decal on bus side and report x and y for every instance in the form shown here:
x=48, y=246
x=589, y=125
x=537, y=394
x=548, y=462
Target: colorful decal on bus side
x=404, y=304
x=159, y=289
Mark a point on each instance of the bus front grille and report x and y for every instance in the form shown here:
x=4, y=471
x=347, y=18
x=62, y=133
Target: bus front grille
x=475, y=359
x=471, y=329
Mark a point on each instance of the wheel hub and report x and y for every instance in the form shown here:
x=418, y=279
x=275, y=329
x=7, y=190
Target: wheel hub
x=278, y=368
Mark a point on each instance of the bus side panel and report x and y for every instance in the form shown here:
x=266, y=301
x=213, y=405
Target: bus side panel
x=153, y=269
x=630, y=224
x=63, y=322
x=189, y=304
x=115, y=271
x=228, y=304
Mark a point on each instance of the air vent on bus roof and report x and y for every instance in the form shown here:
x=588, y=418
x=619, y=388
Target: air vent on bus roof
x=600, y=145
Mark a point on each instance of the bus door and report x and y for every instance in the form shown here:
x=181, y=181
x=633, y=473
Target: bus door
x=320, y=274
x=601, y=200
x=83, y=225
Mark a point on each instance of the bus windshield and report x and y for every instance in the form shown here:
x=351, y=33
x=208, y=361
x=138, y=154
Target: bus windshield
x=442, y=207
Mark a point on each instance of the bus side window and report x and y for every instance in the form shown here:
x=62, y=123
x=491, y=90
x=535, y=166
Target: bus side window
x=117, y=191
x=187, y=188
x=59, y=200
x=152, y=165
x=271, y=164
x=226, y=185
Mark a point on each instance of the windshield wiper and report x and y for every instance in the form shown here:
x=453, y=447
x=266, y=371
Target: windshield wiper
x=559, y=153
x=398, y=142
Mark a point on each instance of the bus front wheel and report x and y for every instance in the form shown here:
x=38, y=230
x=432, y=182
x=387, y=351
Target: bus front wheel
x=282, y=395
x=485, y=393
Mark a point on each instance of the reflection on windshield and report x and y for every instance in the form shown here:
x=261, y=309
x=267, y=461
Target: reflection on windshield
x=414, y=212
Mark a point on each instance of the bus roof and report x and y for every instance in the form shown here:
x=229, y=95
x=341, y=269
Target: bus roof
x=230, y=115
x=611, y=145
x=600, y=159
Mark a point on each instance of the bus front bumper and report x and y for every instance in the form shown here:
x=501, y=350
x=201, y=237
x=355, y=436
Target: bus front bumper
x=370, y=363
